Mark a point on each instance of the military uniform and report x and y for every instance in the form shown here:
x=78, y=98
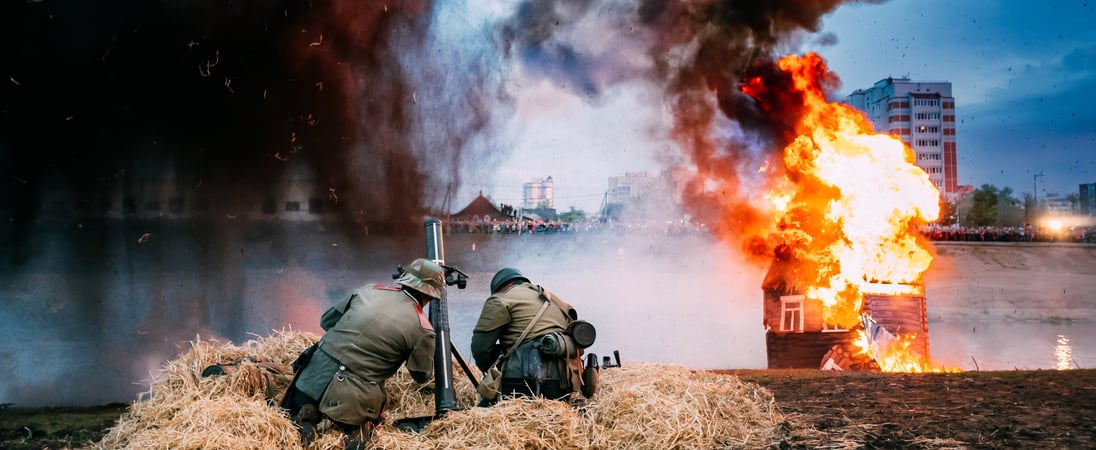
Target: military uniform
x=380, y=328
x=504, y=317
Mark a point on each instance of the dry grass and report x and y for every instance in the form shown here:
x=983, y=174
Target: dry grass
x=639, y=406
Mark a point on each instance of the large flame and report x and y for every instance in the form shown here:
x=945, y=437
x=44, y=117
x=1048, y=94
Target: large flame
x=849, y=206
x=851, y=199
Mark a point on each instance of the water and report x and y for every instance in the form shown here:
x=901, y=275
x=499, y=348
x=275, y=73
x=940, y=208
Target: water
x=1023, y=345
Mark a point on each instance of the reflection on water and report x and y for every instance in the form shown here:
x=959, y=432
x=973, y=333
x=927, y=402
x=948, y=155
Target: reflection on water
x=1064, y=353
x=1024, y=345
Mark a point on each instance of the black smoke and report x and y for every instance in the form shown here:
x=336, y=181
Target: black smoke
x=150, y=150
x=222, y=99
x=698, y=56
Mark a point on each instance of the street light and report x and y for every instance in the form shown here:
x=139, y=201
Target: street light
x=1035, y=196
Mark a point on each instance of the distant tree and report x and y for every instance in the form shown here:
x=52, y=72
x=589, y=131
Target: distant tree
x=574, y=215
x=983, y=212
x=611, y=211
x=1074, y=199
x=1010, y=211
x=1029, y=208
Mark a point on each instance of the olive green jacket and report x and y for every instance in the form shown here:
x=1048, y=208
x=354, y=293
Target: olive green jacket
x=505, y=316
x=380, y=329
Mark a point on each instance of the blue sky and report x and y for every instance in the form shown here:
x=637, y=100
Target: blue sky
x=1023, y=75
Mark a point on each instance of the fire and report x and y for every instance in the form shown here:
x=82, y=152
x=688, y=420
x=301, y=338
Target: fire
x=897, y=356
x=892, y=353
x=850, y=201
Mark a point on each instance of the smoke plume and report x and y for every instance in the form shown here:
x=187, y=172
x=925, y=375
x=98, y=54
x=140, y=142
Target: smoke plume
x=697, y=54
x=149, y=151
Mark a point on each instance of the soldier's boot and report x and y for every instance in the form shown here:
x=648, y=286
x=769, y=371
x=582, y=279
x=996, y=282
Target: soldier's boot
x=357, y=439
x=306, y=421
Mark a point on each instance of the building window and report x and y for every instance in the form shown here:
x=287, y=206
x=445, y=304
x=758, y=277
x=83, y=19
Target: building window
x=832, y=328
x=292, y=206
x=791, y=313
x=152, y=205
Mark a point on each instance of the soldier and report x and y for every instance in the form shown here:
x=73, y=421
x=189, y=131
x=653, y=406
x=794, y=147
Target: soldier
x=367, y=338
x=546, y=361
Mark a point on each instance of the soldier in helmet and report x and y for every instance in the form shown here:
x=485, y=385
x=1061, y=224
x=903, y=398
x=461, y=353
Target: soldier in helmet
x=546, y=361
x=368, y=337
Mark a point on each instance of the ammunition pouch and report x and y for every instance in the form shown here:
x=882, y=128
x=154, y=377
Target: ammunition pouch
x=554, y=357
x=352, y=400
x=488, y=387
x=589, y=381
x=535, y=366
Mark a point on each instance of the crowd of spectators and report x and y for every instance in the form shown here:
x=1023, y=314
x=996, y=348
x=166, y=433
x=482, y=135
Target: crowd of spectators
x=510, y=226
x=514, y=226
x=1025, y=233
x=934, y=232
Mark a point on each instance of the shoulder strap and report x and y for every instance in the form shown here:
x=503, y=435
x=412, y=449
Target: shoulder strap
x=569, y=313
x=524, y=333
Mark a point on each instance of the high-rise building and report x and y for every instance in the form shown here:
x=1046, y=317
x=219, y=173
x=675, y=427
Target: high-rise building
x=630, y=186
x=921, y=114
x=1087, y=199
x=538, y=194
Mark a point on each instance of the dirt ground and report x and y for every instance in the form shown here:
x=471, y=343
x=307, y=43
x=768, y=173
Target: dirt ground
x=977, y=410
x=1004, y=409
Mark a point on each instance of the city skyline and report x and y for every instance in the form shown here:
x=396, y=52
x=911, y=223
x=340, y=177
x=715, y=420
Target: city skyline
x=1020, y=74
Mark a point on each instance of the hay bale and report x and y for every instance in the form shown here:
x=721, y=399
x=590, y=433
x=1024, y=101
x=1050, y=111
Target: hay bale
x=183, y=410
x=406, y=398
x=664, y=407
x=512, y=423
x=639, y=406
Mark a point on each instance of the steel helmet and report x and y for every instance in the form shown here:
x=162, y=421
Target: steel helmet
x=504, y=276
x=424, y=276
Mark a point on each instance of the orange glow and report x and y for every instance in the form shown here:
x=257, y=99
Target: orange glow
x=850, y=203
x=897, y=356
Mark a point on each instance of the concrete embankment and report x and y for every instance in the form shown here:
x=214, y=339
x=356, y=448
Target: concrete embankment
x=1053, y=282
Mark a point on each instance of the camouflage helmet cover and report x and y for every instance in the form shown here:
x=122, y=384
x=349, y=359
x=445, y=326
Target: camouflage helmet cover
x=424, y=276
x=505, y=276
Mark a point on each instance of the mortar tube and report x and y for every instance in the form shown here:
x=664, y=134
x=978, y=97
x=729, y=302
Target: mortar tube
x=445, y=396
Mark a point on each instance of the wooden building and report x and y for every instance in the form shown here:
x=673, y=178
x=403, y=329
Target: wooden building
x=797, y=336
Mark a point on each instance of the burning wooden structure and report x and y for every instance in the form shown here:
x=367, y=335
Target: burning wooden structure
x=893, y=325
